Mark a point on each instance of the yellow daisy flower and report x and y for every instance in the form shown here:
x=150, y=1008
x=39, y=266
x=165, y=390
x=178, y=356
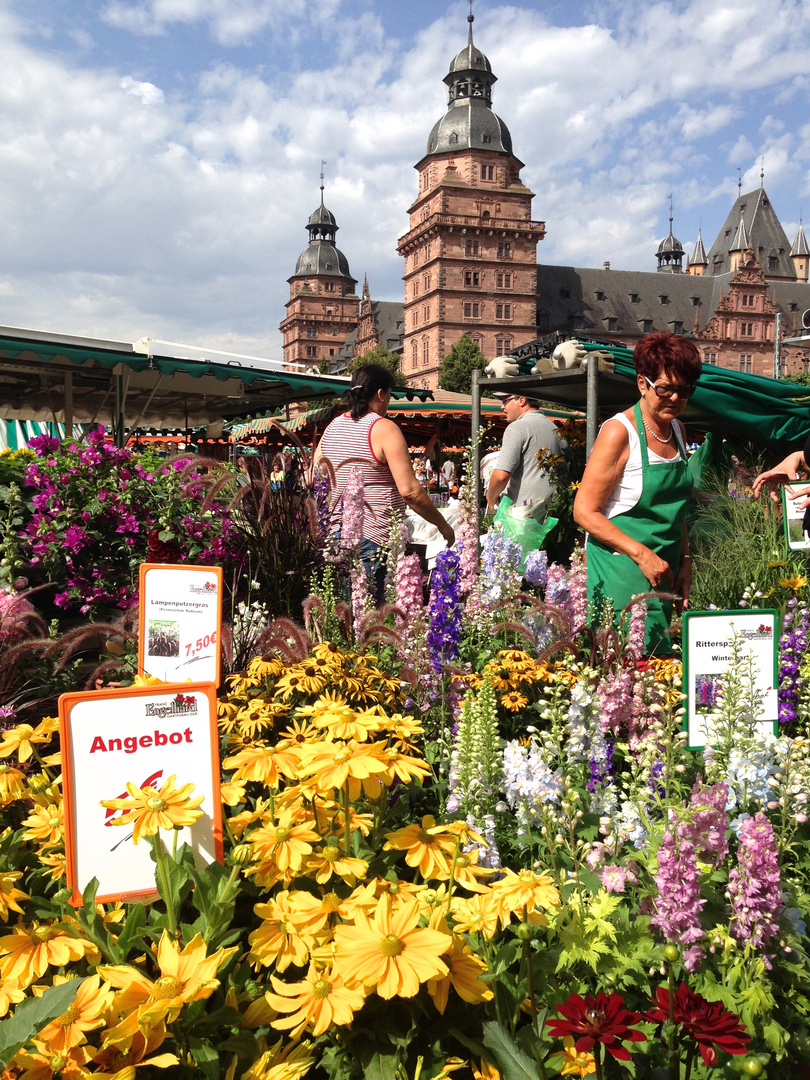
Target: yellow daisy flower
x=283, y=842
x=319, y=1002
x=390, y=952
x=464, y=973
x=86, y=1013
x=289, y=1063
x=148, y=809
x=526, y=890
x=475, y=915
x=27, y=953
x=283, y=938
x=9, y=894
x=429, y=847
x=514, y=701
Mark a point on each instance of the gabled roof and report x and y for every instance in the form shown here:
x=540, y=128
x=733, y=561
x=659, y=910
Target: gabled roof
x=800, y=243
x=573, y=298
x=389, y=322
x=764, y=235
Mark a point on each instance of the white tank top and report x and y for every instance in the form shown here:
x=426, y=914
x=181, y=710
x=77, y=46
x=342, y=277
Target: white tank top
x=628, y=490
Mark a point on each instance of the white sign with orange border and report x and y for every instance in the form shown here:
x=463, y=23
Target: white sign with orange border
x=179, y=621
x=141, y=735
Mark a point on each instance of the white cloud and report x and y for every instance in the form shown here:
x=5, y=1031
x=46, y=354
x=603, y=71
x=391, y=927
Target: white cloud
x=138, y=203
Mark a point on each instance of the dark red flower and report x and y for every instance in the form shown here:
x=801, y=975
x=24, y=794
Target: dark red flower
x=707, y=1022
x=601, y=1019
x=163, y=551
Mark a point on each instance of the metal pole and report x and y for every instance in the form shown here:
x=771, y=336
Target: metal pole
x=68, y=404
x=592, y=403
x=777, y=346
x=475, y=421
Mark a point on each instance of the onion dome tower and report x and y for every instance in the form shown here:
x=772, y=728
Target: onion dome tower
x=323, y=306
x=471, y=248
x=670, y=251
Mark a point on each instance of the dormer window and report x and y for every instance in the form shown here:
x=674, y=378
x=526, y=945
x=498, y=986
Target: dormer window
x=612, y=322
x=634, y=298
x=663, y=298
x=600, y=296
x=565, y=294
x=453, y=138
x=695, y=301
x=486, y=137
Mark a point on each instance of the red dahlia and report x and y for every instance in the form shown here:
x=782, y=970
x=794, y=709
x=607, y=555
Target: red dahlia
x=601, y=1019
x=707, y=1022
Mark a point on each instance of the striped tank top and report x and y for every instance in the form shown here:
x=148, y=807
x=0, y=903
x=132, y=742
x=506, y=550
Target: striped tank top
x=346, y=444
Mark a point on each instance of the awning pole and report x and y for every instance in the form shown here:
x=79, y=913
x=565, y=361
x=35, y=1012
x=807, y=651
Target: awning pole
x=592, y=404
x=475, y=413
x=68, y=405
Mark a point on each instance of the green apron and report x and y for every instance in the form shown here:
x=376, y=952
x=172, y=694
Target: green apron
x=655, y=521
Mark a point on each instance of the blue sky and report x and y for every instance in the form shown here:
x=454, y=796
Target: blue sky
x=161, y=157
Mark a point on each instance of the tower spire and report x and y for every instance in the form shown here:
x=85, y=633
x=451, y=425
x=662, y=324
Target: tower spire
x=470, y=20
x=322, y=165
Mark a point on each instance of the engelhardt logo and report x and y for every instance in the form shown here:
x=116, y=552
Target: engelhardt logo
x=207, y=588
x=182, y=705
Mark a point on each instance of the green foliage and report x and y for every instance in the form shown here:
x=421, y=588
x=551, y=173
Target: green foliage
x=32, y=1015
x=459, y=364
x=738, y=547
x=383, y=358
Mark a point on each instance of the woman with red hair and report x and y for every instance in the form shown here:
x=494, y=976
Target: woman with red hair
x=633, y=497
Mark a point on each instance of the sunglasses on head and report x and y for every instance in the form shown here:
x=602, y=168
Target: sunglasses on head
x=665, y=390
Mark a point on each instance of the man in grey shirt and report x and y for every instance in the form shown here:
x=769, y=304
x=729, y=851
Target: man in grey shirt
x=517, y=474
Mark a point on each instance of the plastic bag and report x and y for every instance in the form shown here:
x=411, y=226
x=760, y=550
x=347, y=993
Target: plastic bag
x=527, y=531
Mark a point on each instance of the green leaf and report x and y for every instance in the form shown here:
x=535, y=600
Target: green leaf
x=513, y=1063
x=206, y=1058
x=32, y=1015
x=381, y=1067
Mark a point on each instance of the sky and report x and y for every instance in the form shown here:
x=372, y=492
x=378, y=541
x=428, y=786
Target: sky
x=159, y=159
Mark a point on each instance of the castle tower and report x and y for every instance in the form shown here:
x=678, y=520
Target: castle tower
x=323, y=306
x=697, y=263
x=800, y=254
x=470, y=252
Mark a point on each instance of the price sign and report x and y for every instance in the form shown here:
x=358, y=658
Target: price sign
x=139, y=735
x=708, y=637
x=179, y=621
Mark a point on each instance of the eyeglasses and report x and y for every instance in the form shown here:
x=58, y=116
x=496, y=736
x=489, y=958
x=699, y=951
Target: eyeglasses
x=665, y=390
x=509, y=397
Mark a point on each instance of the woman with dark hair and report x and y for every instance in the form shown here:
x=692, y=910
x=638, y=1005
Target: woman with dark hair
x=634, y=494
x=365, y=438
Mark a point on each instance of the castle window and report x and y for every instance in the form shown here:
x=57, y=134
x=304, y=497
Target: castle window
x=565, y=294
x=471, y=247
x=747, y=300
x=505, y=250
x=426, y=312
x=472, y=311
x=485, y=216
x=710, y=357
x=329, y=286
x=612, y=322
x=677, y=327
x=542, y=321
x=312, y=350
x=503, y=280
x=773, y=262
x=487, y=172
x=486, y=137
x=695, y=301
x=329, y=313
x=425, y=353
x=334, y=333
x=579, y=322
x=634, y=298
x=663, y=298
x=600, y=296
x=453, y=138
x=503, y=346
x=794, y=306
x=331, y=352
x=414, y=318
x=414, y=354
x=746, y=329
x=503, y=311
x=746, y=363
x=415, y=289
x=471, y=278
x=312, y=331
x=646, y=326
x=426, y=282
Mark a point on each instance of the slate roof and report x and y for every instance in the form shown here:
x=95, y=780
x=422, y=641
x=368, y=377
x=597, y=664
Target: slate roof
x=389, y=320
x=629, y=302
x=764, y=233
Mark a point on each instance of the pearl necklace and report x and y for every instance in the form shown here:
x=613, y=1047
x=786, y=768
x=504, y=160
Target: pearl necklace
x=657, y=438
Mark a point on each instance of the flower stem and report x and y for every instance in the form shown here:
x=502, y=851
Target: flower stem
x=347, y=833
x=597, y=1060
